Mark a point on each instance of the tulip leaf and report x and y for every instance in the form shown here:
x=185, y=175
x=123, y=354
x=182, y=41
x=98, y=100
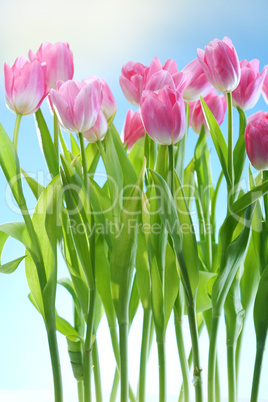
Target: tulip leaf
x=218, y=139
x=157, y=298
x=124, y=251
x=9, y=163
x=260, y=309
x=204, y=291
x=36, y=188
x=65, y=328
x=171, y=283
x=240, y=148
x=47, y=144
x=133, y=301
x=142, y=271
x=136, y=155
x=249, y=198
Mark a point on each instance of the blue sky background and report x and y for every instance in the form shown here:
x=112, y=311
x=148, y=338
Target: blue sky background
x=103, y=36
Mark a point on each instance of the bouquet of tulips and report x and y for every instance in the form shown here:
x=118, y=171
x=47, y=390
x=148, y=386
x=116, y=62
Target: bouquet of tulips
x=130, y=239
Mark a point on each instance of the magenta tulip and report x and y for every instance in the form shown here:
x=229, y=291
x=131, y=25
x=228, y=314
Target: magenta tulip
x=77, y=104
x=108, y=105
x=198, y=83
x=163, y=115
x=256, y=140
x=216, y=103
x=157, y=76
x=25, y=87
x=133, y=128
x=131, y=81
x=247, y=94
x=265, y=85
x=58, y=59
x=220, y=64
x=98, y=131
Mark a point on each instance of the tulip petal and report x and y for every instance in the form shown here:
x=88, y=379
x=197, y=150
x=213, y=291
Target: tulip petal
x=86, y=108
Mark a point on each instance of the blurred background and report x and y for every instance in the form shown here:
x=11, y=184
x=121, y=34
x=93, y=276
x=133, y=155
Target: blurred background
x=103, y=36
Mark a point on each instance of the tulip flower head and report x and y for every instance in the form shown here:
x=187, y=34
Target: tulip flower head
x=247, y=94
x=256, y=140
x=25, y=87
x=220, y=64
x=131, y=81
x=198, y=83
x=77, y=104
x=163, y=115
x=265, y=85
x=58, y=59
x=98, y=131
x=216, y=103
x=133, y=128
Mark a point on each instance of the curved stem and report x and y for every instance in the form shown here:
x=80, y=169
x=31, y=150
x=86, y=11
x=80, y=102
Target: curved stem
x=84, y=161
x=56, y=135
x=144, y=353
x=230, y=139
x=55, y=362
x=212, y=357
x=185, y=392
x=100, y=147
x=257, y=373
x=87, y=364
x=231, y=373
x=97, y=376
x=171, y=168
x=115, y=386
x=16, y=130
x=162, y=370
x=123, y=342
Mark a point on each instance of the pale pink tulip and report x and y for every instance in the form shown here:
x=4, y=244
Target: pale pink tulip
x=58, y=59
x=25, y=87
x=220, y=63
x=265, y=85
x=163, y=115
x=133, y=128
x=256, y=140
x=247, y=94
x=108, y=105
x=131, y=81
x=98, y=131
x=198, y=83
x=216, y=103
x=77, y=104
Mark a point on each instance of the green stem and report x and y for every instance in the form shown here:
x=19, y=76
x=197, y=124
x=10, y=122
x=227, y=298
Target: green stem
x=230, y=139
x=100, y=147
x=115, y=386
x=88, y=347
x=97, y=376
x=185, y=395
x=212, y=357
x=162, y=370
x=123, y=343
x=171, y=168
x=196, y=357
x=217, y=382
x=56, y=135
x=84, y=161
x=80, y=390
x=231, y=373
x=265, y=198
x=144, y=353
x=16, y=130
x=55, y=362
x=257, y=373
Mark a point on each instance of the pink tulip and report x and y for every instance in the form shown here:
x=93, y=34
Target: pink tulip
x=133, y=128
x=108, y=105
x=220, y=64
x=98, y=131
x=25, y=87
x=198, y=83
x=131, y=81
x=247, y=94
x=59, y=61
x=77, y=104
x=256, y=140
x=216, y=103
x=163, y=115
x=265, y=85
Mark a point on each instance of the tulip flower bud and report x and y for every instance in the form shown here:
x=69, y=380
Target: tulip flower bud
x=25, y=87
x=59, y=61
x=256, y=140
x=98, y=131
x=131, y=81
x=265, y=85
x=198, y=83
x=133, y=128
x=77, y=104
x=220, y=64
x=216, y=103
x=247, y=94
x=163, y=115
